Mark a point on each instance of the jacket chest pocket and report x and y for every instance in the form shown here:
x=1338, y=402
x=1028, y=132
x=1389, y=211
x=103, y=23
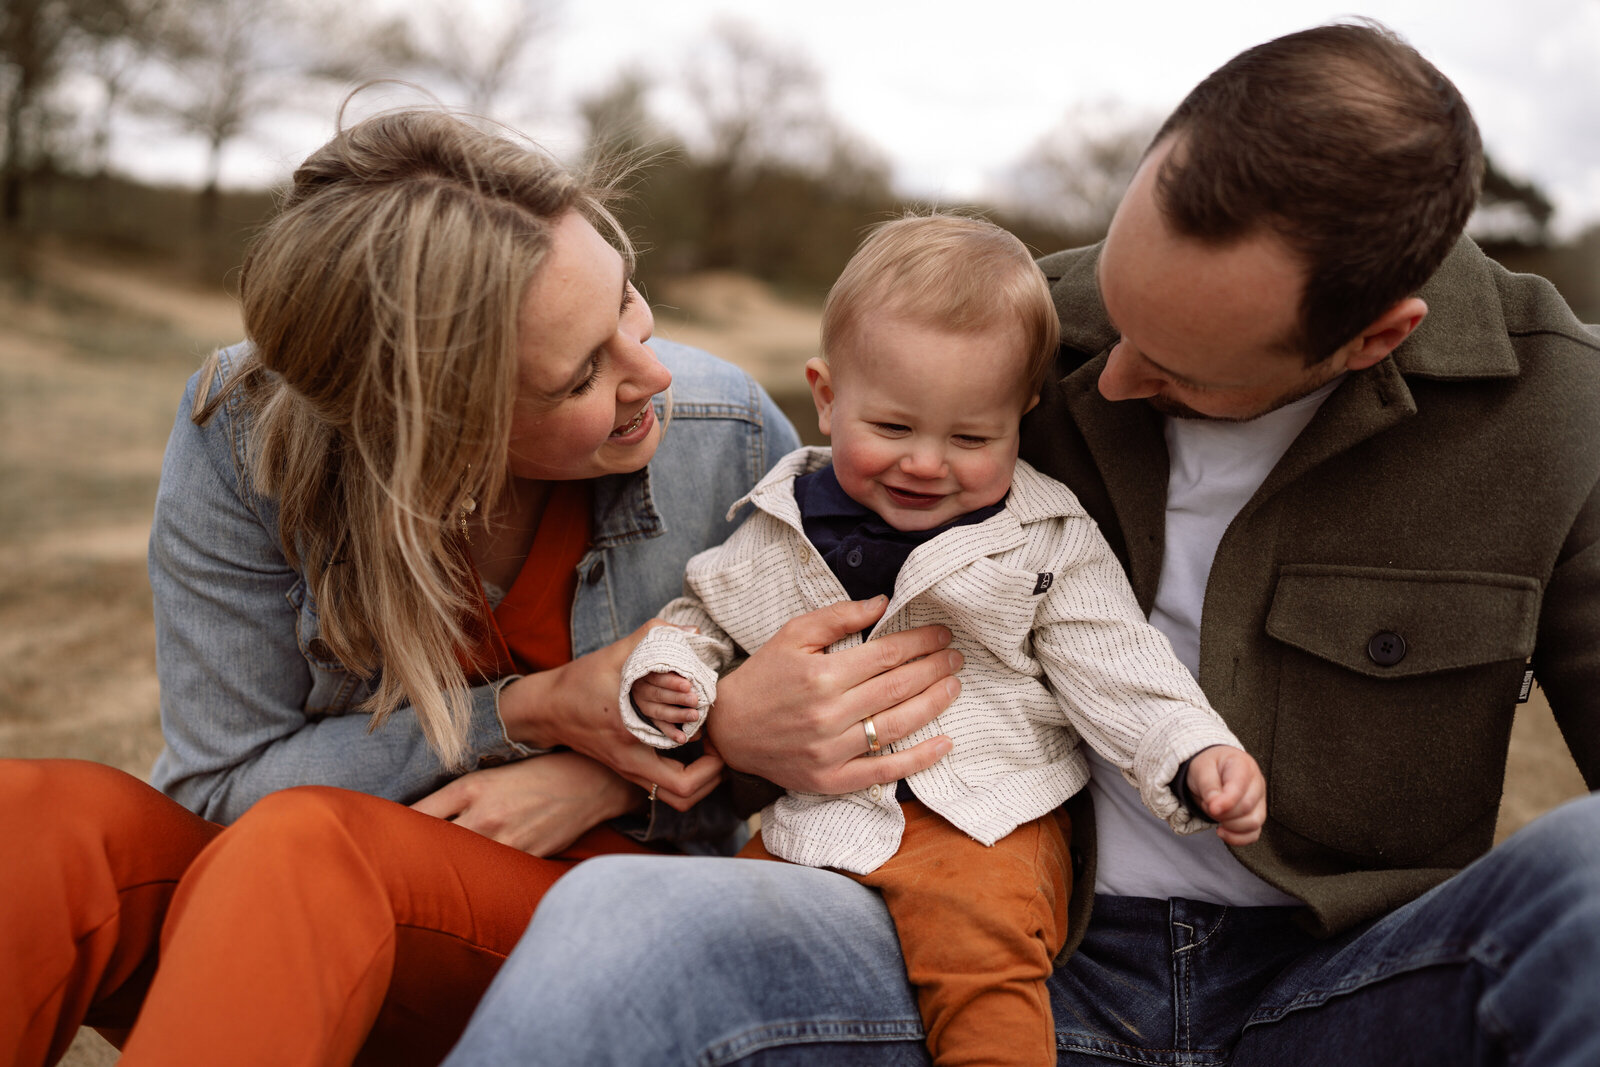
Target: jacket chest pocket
x=1396, y=693
x=989, y=604
x=334, y=689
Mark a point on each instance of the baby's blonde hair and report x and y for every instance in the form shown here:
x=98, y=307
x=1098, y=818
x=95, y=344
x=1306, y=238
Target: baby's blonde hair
x=382, y=307
x=953, y=272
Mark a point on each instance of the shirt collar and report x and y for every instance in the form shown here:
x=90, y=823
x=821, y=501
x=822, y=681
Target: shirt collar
x=820, y=497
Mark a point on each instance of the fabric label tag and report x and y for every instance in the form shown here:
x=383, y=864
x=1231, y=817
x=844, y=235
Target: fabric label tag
x=1527, y=686
x=1045, y=578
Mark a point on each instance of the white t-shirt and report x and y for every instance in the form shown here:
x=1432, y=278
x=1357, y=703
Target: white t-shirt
x=1215, y=468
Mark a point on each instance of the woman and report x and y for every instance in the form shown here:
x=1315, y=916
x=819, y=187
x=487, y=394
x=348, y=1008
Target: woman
x=448, y=378
x=403, y=542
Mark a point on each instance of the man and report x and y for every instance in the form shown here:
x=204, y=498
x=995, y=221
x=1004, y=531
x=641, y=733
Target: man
x=1351, y=467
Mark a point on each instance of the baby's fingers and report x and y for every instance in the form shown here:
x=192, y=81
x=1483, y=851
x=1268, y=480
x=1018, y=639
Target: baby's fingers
x=1244, y=827
x=666, y=688
x=666, y=711
x=1210, y=785
x=673, y=734
x=666, y=680
x=683, y=704
x=1241, y=822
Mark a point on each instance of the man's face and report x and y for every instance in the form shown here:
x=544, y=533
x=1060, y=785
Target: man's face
x=1206, y=330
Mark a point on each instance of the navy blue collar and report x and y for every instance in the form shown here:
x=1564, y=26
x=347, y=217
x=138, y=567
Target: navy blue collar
x=864, y=551
x=820, y=497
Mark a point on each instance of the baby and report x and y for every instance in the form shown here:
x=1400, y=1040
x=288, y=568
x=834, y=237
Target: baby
x=937, y=338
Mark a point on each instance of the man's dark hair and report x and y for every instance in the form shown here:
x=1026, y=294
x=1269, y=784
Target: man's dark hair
x=1344, y=142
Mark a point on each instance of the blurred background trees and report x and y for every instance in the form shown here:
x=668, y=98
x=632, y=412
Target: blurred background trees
x=1074, y=175
x=735, y=158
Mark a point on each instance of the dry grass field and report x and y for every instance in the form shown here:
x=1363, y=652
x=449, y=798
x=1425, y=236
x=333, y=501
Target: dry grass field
x=93, y=356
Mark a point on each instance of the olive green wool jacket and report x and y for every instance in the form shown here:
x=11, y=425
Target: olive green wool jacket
x=1372, y=608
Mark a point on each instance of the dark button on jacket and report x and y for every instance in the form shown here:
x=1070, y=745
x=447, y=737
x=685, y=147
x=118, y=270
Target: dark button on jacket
x=1386, y=648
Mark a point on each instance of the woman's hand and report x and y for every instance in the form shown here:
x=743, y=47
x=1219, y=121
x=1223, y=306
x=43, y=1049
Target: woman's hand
x=795, y=716
x=539, y=805
x=575, y=705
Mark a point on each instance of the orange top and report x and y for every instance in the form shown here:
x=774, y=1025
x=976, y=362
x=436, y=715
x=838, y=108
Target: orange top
x=530, y=630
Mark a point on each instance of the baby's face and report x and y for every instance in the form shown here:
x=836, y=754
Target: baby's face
x=923, y=420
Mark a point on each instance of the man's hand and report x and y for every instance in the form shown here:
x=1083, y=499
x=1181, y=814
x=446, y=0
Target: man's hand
x=1229, y=788
x=795, y=715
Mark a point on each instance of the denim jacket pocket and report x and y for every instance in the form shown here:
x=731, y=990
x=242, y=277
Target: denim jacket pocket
x=1395, y=698
x=335, y=690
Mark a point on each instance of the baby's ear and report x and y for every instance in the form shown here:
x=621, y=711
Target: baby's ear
x=821, y=382
x=1031, y=404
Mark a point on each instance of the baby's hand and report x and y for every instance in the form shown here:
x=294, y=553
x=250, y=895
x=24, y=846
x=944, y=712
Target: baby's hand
x=666, y=698
x=1228, y=786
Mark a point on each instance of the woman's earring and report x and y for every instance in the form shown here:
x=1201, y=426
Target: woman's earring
x=468, y=506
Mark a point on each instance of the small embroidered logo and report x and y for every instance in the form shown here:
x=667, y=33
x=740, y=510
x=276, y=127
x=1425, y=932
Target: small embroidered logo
x=1045, y=578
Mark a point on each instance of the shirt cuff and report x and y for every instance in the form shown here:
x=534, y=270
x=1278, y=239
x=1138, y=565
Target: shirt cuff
x=1180, y=789
x=491, y=742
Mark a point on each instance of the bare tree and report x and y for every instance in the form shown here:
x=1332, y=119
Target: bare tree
x=1074, y=176
x=755, y=101
x=1510, y=211
x=755, y=106
x=852, y=166
x=33, y=36
x=223, y=57
x=233, y=62
x=118, y=42
x=482, y=55
x=618, y=125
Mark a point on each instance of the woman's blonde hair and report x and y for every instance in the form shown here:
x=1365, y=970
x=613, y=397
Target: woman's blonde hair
x=382, y=306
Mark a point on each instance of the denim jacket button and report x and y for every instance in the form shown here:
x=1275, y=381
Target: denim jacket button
x=597, y=572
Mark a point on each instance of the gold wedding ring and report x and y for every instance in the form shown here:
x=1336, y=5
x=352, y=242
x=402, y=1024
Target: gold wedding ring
x=873, y=748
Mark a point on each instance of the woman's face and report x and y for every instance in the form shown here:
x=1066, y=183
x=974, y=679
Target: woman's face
x=585, y=375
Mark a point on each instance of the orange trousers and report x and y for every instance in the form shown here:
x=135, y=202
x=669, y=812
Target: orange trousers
x=979, y=927
x=324, y=927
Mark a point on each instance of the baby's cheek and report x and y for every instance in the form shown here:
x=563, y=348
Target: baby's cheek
x=856, y=462
x=989, y=477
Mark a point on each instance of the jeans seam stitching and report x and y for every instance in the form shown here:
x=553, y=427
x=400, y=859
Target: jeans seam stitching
x=808, y=1031
x=1315, y=997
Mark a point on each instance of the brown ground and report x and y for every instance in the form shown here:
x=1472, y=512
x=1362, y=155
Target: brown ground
x=93, y=356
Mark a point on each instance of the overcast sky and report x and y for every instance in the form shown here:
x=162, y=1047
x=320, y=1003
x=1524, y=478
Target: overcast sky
x=953, y=92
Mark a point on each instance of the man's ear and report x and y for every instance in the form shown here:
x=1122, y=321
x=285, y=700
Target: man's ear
x=1386, y=333
x=821, y=381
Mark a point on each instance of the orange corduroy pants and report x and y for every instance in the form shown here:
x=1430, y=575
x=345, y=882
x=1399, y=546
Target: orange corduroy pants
x=323, y=927
x=979, y=928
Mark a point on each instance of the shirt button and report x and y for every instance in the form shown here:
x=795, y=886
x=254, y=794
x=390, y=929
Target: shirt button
x=597, y=572
x=876, y=792
x=1386, y=648
x=853, y=557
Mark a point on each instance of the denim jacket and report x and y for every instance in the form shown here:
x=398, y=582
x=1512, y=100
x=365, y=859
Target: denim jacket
x=252, y=700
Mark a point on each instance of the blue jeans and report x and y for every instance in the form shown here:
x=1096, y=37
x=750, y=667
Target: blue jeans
x=650, y=960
